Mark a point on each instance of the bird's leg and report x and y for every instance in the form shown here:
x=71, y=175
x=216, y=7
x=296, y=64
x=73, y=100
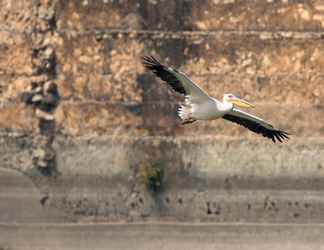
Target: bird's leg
x=188, y=121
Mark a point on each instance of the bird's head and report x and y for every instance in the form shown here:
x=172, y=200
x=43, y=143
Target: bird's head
x=236, y=101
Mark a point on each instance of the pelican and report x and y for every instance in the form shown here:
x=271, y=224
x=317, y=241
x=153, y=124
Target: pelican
x=199, y=105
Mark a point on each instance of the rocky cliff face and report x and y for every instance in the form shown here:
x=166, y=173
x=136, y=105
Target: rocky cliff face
x=71, y=75
x=269, y=52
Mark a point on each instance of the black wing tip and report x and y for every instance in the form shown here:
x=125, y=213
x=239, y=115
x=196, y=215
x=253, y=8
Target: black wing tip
x=150, y=61
x=164, y=73
x=280, y=135
x=148, y=57
x=269, y=133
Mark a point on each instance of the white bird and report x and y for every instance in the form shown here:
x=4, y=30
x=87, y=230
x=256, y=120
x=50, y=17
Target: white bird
x=200, y=106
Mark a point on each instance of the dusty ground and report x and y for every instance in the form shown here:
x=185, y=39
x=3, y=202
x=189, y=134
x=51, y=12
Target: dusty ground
x=162, y=236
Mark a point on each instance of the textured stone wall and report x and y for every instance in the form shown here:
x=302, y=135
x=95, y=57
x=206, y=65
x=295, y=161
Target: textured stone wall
x=71, y=74
x=269, y=52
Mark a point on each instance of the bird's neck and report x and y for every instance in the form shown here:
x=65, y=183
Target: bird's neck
x=226, y=106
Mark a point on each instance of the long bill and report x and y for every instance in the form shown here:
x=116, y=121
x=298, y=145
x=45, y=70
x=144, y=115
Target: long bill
x=242, y=103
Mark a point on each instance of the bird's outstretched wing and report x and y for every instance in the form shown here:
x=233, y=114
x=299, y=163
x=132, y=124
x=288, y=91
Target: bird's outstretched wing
x=256, y=125
x=178, y=81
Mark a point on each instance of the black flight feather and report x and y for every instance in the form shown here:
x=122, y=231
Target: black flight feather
x=164, y=73
x=258, y=128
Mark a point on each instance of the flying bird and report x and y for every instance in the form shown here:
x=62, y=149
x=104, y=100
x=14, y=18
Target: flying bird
x=199, y=105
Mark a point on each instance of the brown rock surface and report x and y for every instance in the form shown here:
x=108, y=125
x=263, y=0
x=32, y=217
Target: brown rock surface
x=258, y=15
x=77, y=119
x=16, y=15
x=103, y=70
x=271, y=65
x=17, y=117
x=15, y=53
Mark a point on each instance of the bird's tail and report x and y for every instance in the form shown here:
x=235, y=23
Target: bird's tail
x=185, y=113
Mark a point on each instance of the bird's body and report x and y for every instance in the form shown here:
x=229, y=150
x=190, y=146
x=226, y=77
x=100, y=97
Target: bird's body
x=209, y=110
x=199, y=105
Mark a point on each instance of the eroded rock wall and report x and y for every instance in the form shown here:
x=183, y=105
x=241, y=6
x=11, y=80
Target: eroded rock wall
x=71, y=75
